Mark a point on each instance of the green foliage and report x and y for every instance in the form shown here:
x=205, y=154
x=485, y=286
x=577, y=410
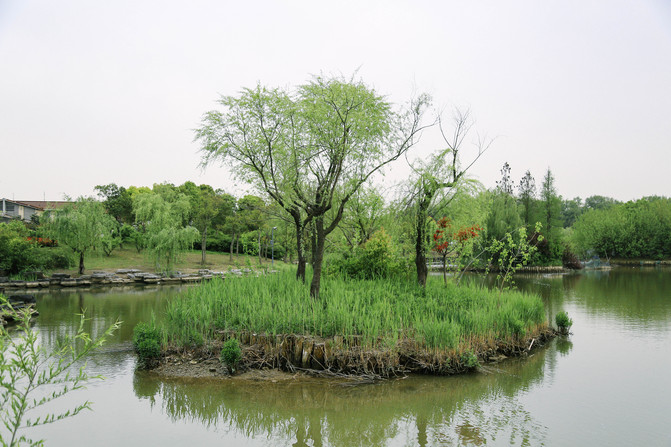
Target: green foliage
x=81, y=225
x=376, y=258
x=163, y=216
x=117, y=201
x=511, y=253
x=640, y=229
x=563, y=322
x=470, y=360
x=310, y=149
x=440, y=317
x=231, y=354
x=147, y=343
x=31, y=376
x=18, y=254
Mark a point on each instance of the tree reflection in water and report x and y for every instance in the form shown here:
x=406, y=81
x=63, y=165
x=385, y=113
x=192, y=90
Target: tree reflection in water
x=474, y=409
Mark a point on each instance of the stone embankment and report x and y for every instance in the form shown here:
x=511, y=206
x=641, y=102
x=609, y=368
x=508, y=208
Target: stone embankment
x=122, y=277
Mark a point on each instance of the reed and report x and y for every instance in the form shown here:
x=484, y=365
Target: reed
x=376, y=312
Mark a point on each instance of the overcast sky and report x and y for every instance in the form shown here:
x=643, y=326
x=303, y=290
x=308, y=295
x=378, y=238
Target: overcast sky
x=95, y=92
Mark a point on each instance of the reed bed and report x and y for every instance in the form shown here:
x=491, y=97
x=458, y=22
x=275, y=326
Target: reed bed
x=376, y=312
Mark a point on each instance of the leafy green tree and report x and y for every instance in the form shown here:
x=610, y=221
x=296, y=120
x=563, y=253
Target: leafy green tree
x=440, y=175
x=362, y=216
x=599, y=202
x=207, y=210
x=164, y=221
x=32, y=376
x=527, y=200
x=82, y=226
x=117, y=201
x=571, y=210
x=551, y=219
x=311, y=149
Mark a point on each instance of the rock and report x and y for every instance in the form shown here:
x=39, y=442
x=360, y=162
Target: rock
x=60, y=275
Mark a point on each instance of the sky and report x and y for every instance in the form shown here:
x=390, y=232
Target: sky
x=96, y=92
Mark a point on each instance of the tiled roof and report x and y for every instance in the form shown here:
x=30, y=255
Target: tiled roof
x=40, y=204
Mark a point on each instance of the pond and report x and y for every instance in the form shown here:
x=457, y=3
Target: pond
x=605, y=385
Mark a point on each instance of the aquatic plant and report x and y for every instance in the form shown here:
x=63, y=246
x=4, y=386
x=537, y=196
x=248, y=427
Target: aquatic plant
x=231, y=354
x=563, y=322
x=147, y=344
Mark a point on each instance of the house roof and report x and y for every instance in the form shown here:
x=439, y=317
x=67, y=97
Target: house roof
x=40, y=204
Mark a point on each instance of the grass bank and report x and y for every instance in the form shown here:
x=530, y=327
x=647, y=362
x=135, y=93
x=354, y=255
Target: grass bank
x=380, y=326
x=125, y=258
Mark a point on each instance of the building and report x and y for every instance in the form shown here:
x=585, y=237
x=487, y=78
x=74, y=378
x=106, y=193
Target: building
x=25, y=209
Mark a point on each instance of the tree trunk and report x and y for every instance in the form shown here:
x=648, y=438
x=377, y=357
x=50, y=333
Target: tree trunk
x=259, y=244
x=420, y=252
x=300, y=252
x=445, y=270
x=317, y=257
x=230, y=252
x=420, y=230
x=237, y=246
x=203, y=245
x=81, y=262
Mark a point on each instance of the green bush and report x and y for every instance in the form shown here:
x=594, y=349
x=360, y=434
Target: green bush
x=231, y=354
x=563, y=321
x=147, y=344
x=470, y=360
x=376, y=258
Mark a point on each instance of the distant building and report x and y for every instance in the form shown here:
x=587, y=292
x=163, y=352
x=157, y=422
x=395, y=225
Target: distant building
x=25, y=209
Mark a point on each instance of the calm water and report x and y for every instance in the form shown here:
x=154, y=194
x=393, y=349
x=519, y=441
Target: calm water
x=608, y=384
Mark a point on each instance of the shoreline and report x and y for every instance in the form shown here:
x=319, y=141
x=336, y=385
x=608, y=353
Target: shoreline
x=338, y=358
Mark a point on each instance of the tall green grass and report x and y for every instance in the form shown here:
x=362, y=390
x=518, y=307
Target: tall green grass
x=377, y=311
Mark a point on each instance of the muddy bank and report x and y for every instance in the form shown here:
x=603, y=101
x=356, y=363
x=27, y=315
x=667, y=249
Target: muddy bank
x=340, y=357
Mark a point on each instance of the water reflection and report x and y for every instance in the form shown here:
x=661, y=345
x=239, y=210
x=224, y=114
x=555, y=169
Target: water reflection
x=472, y=409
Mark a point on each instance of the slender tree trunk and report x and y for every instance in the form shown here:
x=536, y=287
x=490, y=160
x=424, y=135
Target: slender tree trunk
x=237, y=246
x=203, y=245
x=300, y=251
x=81, y=262
x=420, y=252
x=317, y=257
x=445, y=269
x=230, y=251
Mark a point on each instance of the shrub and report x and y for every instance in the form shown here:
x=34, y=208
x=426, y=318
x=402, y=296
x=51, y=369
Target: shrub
x=563, y=321
x=147, y=344
x=470, y=360
x=231, y=354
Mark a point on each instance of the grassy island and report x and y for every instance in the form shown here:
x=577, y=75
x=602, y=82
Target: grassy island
x=381, y=327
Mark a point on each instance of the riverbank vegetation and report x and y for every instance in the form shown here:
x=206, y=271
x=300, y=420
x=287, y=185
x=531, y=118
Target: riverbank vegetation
x=403, y=326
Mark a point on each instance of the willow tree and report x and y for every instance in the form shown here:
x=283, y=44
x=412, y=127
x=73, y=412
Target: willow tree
x=163, y=218
x=310, y=149
x=82, y=226
x=439, y=175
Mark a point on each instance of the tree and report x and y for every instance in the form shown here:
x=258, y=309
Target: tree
x=164, y=221
x=571, y=209
x=599, y=202
x=82, y=226
x=449, y=242
x=527, y=199
x=117, y=201
x=441, y=172
x=551, y=218
x=206, y=207
x=310, y=149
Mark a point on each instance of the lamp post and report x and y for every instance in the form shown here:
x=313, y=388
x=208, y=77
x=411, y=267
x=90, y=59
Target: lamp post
x=272, y=246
